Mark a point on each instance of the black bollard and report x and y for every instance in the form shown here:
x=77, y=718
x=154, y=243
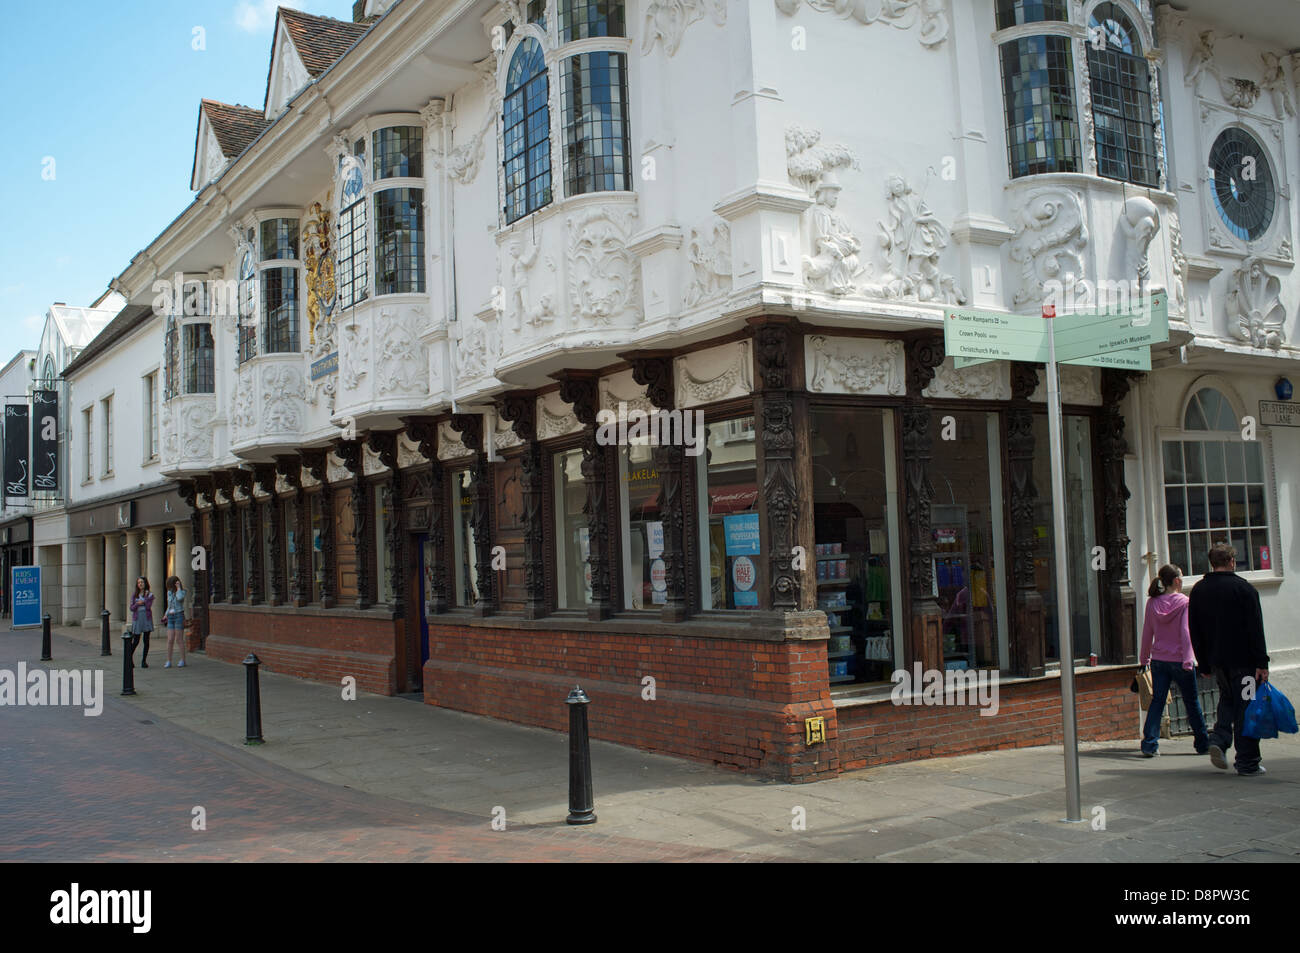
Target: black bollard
x=45, y=639
x=105, y=644
x=581, y=803
x=128, y=664
x=253, y=726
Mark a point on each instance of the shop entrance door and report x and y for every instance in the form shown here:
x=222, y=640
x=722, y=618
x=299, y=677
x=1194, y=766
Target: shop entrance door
x=425, y=590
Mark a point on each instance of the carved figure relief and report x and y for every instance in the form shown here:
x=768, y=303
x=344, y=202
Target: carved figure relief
x=402, y=364
x=1255, y=311
x=525, y=306
x=1274, y=83
x=855, y=366
x=1048, y=245
x=353, y=355
x=282, y=394
x=196, y=423
x=1139, y=223
x=900, y=14
x=709, y=255
x=474, y=351
x=667, y=20
x=912, y=240
x=602, y=271
x=1178, y=271
x=1201, y=62
x=833, y=264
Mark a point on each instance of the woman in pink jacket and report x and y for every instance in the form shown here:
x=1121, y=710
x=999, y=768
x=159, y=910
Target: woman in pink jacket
x=1167, y=646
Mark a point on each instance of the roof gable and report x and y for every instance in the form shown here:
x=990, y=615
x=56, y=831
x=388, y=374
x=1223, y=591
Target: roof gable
x=304, y=47
x=224, y=132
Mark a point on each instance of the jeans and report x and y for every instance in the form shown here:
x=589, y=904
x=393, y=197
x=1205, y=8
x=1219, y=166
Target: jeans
x=1162, y=675
x=1231, y=714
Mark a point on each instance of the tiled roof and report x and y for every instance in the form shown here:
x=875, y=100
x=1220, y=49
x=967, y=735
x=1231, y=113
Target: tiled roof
x=319, y=40
x=234, y=126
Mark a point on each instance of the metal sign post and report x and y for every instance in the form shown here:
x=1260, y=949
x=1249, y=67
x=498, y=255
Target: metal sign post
x=1065, y=640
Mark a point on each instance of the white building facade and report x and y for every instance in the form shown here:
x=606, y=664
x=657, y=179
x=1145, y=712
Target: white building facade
x=414, y=285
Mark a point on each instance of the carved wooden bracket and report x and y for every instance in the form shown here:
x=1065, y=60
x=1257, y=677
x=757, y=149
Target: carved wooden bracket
x=924, y=355
x=653, y=370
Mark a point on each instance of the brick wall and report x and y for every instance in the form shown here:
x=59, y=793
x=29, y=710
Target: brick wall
x=320, y=646
x=1029, y=713
x=729, y=702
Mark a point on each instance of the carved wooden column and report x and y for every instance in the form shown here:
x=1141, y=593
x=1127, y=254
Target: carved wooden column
x=225, y=538
x=424, y=432
x=784, y=464
x=243, y=480
x=653, y=370
x=189, y=492
x=579, y=388
x=271, y=514
x=384, y=443
x=925, y=632
x=519, y=408
x=314, y=462
x=288, y=466
x=352, y=455
x=470, y=427
x=1029, y=622
x=1118, y=638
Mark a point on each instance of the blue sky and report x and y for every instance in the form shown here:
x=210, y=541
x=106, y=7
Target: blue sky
x=110, y=91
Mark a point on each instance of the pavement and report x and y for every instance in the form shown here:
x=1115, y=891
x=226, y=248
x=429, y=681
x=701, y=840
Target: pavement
x=381, y=778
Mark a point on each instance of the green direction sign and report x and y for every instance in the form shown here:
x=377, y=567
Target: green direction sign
x=1133, y=359
x=1086, y=336
x=978, y=336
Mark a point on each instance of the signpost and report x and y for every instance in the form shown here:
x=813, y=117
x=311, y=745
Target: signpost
x=1100, y=340
x=25, y=585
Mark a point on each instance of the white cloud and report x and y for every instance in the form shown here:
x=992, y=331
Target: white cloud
x=258, y=16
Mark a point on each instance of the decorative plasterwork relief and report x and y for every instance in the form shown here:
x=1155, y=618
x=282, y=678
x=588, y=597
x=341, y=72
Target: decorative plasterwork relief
x=243, y=410
x=832, y=265
x=667, y=20
x=623, y=388
x=462, y=161
x=307, y=480
x=912, y=240
x=282, y=397
x=1048, y=245
x=714, y=374
x=602, y=272
x=1178, y=262
x=1274, y=83
x=991, y=381
x=708, y=253
x=1236, y=91
x=503, y=435
x=370, y=463
x=408, y=453
x=555, y=418
x=195, y=418
x=1079, y=385
x=1139, y=222
x=854, y=365
x=335, y=471
x=450, y=445
x=476, y=351
x=524, y=304
x=353, y=354
x=1255, y=311
x=900, y=14
x=402, y=364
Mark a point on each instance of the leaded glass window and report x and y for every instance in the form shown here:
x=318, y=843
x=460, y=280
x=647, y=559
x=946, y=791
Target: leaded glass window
x=1038, y=91
x=526, y=126
x=1121, y=99
x=594, y=90
x=399, y=237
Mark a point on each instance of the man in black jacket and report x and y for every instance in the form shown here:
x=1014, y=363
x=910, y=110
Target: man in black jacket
x=1227, y=630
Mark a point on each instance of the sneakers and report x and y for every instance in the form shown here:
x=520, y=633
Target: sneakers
x=1150, y=754
x=1217, y=759
x=181, y=663
x=167, y=665
x=1250, y=774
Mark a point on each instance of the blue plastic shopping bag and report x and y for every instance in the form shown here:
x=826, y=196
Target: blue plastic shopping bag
x=1269, y=713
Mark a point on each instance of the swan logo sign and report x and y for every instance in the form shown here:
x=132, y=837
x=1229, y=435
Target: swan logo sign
x=16, y=463
x=45, y=441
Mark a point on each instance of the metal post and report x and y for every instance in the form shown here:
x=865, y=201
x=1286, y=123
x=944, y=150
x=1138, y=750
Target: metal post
x=128, y=664
x=105, y=644
x=253, y=705
x=581, y=802
x=1065, y=640
x=45, y=639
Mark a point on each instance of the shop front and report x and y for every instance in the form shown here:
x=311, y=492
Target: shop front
x=15, y=550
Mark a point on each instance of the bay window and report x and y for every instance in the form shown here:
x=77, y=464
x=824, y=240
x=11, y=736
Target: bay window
x=1121, y=99
x=352, y=274
x=279, y=285
x=398, y=170
x=526, y=123
x=199, y=349
x=596, y=150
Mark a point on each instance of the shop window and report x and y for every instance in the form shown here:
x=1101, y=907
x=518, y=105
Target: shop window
x=463, y=490
x=572, y=544
x=269, y=531
x=966, y=518
x=383, y=515
x=1215, y=489
x=317, y=548
x=508, y=531
x=855, y=512
x=644, y=577
x=1038, y=93
x=1121, y=99
x=1081, y=537
x=730, y=544
x=291, y=544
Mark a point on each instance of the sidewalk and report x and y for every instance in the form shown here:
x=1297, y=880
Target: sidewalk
x=998, y=806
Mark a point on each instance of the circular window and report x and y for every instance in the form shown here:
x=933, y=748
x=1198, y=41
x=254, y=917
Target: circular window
x=1243, y=184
